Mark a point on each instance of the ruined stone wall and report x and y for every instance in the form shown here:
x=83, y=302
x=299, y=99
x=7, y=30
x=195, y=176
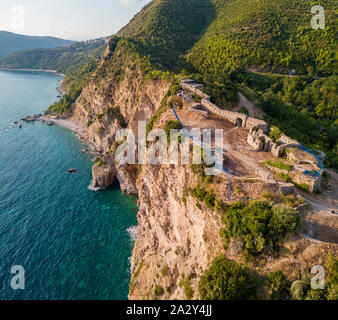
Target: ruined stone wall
x=234, y=117
x=258, y=138
x=193, y=89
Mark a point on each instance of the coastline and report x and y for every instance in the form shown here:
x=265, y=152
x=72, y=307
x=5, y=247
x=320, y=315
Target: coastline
x=35, y=70
x=73, y=126
x=62, y=123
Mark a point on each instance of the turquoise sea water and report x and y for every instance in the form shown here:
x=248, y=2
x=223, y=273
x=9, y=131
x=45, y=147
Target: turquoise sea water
x=72, y=242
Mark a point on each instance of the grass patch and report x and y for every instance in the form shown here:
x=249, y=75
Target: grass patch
x=186, y=285
x=303, y=186
x=158, y=291
x=138, y=270
x=165, y=271
x=248, y=93
x=279, y=165
x=285, y=177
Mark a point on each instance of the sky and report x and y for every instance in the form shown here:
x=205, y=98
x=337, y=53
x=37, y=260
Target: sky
x=68, y=19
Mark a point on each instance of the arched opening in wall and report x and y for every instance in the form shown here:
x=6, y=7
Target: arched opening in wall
x=239, y=122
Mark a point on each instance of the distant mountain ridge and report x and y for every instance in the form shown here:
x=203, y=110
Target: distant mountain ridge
x=12, y=42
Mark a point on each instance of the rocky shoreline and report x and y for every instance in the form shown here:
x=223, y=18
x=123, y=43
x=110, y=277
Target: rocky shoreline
x=104, y=175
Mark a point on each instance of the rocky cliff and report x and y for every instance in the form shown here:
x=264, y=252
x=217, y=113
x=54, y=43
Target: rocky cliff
x=175, y=239
x=117, y=96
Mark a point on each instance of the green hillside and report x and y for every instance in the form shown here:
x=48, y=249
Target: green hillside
x=11, y=42
x=165, y=30
x=267, y=35
x=219, y=43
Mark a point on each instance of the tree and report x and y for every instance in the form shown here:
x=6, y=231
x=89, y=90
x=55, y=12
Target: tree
x=226, y=280
x=259, y=225
x=278, y=285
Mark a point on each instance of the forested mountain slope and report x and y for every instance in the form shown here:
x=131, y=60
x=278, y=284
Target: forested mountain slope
x=269, y=35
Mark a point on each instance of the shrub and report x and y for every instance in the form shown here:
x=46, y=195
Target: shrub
x=205, y=196
x=285, y=177
x=157, y=114
x=303, y=186
x=278, y=285
x=299, y=289
x=243, y=110
x=100, y=162
x=100, y=130
x=220, y=206
x=171, y=125
x=316, y=294
x=275, y=134
x=332, y=278
x=283, y=221
x=165, y=271
x=259, y=225
x=174, y=88
x=185, y=283
x=197, y=169
x=226, y=280
x=138, y=270
x=158, y=291
x=178, y=250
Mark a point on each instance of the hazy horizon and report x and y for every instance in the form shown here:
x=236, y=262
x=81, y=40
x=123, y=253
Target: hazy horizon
x=67, y=19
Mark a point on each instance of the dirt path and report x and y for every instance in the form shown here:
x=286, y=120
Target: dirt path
x=321, y=204
x=254, y=111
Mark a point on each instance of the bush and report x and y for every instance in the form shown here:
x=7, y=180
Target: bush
x=171, y=125
x=243, y=110
x=259, y=225
x=330, y=292
x=299, y=289
x=316, y=294
x=115, y=113
x=188, y=290
x=226, y=280
x=220, y=206
x=332, y=277
x=278, y=285
x=165, y=271
x=205, y=196
x=100, y=162
x=285, y=177
x=302, y=186
x=100, y=130
x=283, y=221
x=158, y=291
x=157, y=114
x=275, y=134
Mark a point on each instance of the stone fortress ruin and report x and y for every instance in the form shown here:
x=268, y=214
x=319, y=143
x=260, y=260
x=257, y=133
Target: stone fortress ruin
x=307, y=169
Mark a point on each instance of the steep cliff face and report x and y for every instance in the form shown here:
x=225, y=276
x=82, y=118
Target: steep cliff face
x=118, y=96
x=178, y=239
x=175, y=240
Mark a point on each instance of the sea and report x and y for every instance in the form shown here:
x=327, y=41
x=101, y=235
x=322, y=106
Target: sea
x=58, y=239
